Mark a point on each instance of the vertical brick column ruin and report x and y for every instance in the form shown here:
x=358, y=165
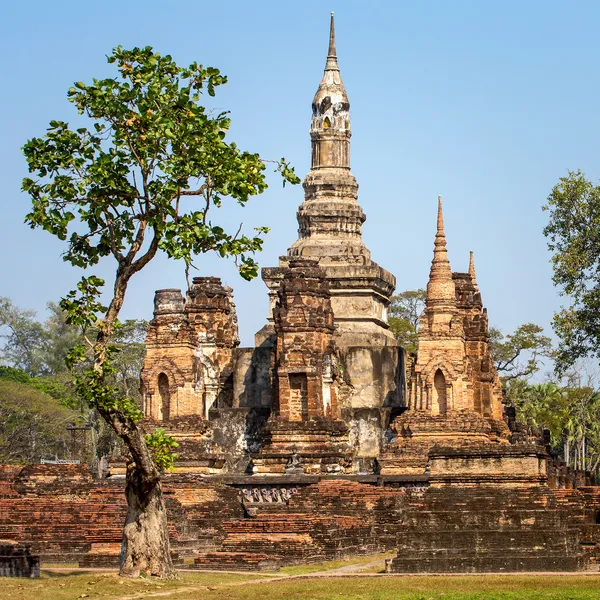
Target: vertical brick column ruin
x=169, y=372
x=486, y=388
x=189, y=348
x=305, y=350
x=213, y=320
x=305, y=422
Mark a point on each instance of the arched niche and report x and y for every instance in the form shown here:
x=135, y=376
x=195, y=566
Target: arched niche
x=439, y=405
x=165, y=395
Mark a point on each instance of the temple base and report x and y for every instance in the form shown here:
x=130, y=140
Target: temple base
x=306, y=447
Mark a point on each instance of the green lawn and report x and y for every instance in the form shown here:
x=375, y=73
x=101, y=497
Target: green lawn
x=69, y=585
x=422, y=588
x=194, y=586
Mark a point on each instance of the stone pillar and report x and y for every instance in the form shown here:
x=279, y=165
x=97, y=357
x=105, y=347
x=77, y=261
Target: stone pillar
x=168, y=373
x=213, y=319
x=305, y=350
x=305, y=422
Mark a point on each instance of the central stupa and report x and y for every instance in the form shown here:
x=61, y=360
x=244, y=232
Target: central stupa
x=330, y=221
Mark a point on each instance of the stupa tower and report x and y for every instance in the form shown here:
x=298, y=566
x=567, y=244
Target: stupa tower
x=330, y=221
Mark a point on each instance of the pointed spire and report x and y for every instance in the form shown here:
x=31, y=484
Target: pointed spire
x=332, y=63
x=440, y=220
x=440, y=288
x=332, y=93
x=332, y=38
x=472, y=270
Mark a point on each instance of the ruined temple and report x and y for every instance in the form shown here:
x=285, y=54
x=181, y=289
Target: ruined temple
x=326, y=381
x=326, y=438
x=325, y=373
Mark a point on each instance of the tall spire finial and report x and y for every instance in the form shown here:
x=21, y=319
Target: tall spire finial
x=440, y=218
x=332, y=64
x=330, y=126
x=332, y=52
x=472, y=270
x=440, y=288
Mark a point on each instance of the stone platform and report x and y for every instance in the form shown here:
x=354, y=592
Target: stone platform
x=264, y=522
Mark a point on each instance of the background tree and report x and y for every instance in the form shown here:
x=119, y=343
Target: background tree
x=37, y=352
x=540, y=406
x=33, y=424
x=519, y=355
x=403, y=317
x=573, y=234
x=142, y=178
x=59, y=337
x=570, y=412
x=54, y=339
x=23, y=338
x=38, y=348
x=129, y=340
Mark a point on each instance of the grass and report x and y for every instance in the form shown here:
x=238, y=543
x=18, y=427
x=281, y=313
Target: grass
x=68, y=585
x=426, y=588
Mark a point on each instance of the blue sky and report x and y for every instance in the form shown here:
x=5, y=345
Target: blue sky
x=485, y=103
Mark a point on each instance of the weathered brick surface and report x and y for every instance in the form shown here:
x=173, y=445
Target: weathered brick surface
x=59, y=511
x=66, y=516
x=189, y=351
x=486, y=528
x=306, y=417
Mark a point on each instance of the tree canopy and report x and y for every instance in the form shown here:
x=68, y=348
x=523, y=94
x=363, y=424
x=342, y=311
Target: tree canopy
x=403, y=317
x=573, y=235
x=33, y=424
x=520, y=354
x=23, y=338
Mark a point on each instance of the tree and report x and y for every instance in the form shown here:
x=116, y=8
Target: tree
x=36, y=348
x=573, y=234
x=24, y=338
x=403, y=317
x=32, y=423
x=569, y=409
x=129, y=339
x=582, y=429
x=142, y=178
x=540, y=405
x=53, y=339
x=519, y=354
x=59, y=338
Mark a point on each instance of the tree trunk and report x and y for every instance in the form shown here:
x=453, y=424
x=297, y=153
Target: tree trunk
x=145, y=548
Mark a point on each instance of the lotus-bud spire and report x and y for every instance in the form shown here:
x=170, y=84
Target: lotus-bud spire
x=440, y=289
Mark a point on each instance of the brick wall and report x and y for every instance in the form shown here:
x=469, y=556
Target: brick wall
x=261, y=522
